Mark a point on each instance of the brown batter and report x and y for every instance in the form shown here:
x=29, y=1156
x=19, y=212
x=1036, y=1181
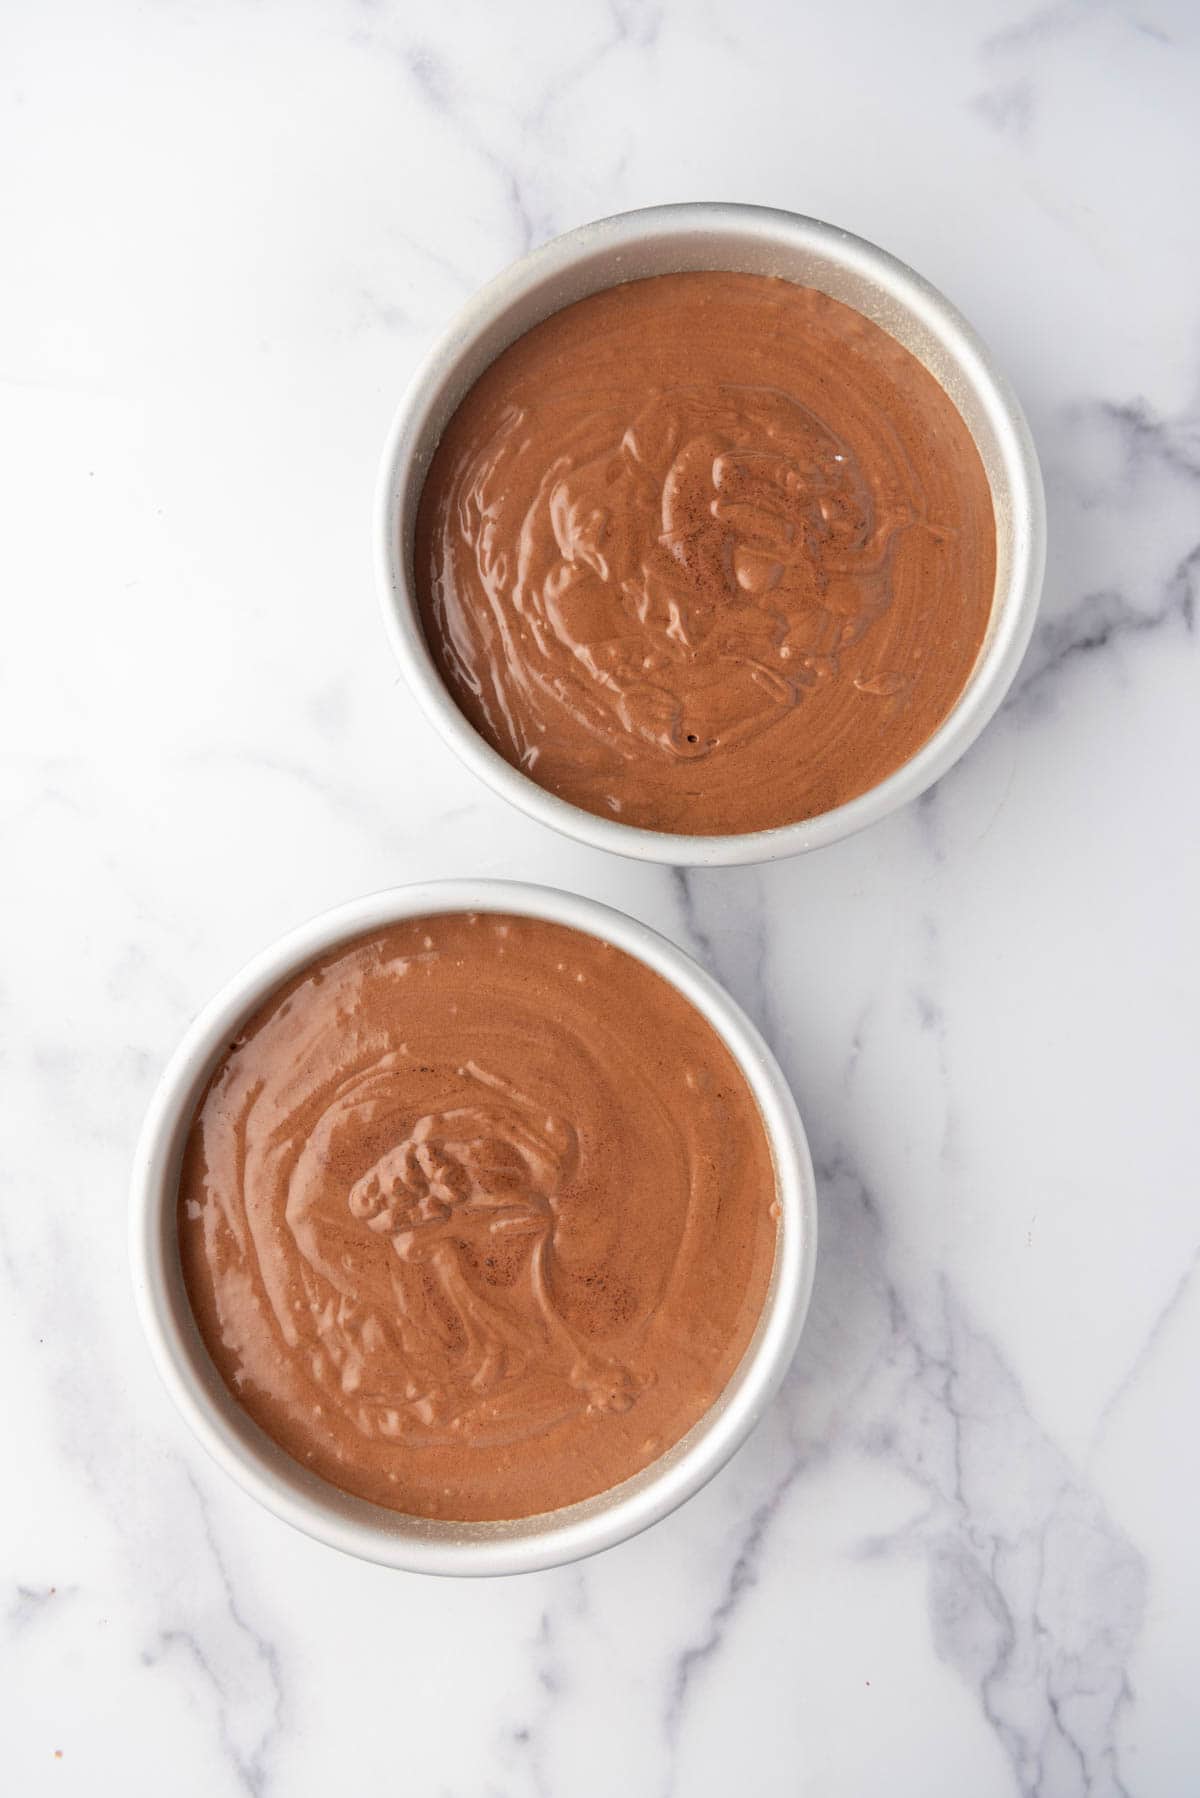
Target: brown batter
x=477, y=1216
x=706, y=553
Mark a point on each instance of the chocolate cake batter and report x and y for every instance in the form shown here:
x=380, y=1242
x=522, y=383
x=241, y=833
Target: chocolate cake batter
x=477, y=1216
x=706, y=553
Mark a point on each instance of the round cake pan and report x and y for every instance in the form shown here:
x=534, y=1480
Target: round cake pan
x=302, y=1498
x=753, y=240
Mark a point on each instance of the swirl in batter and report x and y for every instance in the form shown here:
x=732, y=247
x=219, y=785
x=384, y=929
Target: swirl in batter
x=706, y=553
x=477, y=1216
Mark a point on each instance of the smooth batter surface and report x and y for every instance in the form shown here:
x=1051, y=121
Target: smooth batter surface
x=706, y=553
x=477, y=1216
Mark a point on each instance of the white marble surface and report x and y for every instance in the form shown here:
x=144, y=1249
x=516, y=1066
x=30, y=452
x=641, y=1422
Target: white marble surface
x=960, y=1559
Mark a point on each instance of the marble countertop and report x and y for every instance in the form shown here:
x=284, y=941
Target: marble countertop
x=960, y=1558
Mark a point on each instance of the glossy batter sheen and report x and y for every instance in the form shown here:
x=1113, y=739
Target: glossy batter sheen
x=706, y=553
x=477, y=1216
